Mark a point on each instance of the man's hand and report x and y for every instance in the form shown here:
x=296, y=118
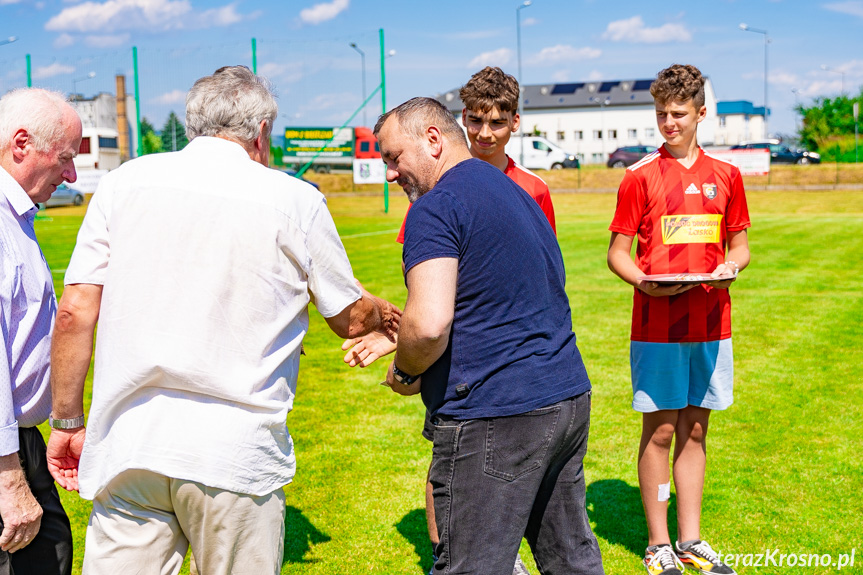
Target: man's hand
x=64, y=453
x=401, y=388
x=365, y=350
x=21, y=513
x=390, y=318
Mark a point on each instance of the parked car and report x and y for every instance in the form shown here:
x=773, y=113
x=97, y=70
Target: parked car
x=782, y=154
x=63, y=196
x=540, y=153
x=628, y=155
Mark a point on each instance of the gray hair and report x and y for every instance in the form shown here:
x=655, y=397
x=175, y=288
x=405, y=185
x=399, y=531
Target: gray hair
x=231, y=103
x=40, y=112
x=417, y=114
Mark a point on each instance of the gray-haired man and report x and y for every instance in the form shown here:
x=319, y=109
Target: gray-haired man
x=200, y=324
x=39, y=136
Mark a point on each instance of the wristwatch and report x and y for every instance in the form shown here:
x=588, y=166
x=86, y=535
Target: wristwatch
x=403, y=377
x=70, y=423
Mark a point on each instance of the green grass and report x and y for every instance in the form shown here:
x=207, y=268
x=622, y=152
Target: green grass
x=784, y=465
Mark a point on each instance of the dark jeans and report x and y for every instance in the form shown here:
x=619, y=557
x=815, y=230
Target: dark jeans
x=498, y=480
x=50, y=553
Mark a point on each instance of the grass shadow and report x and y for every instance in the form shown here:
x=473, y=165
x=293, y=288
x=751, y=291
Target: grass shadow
x=414, y=528
x=615, y=508
x=300, y=536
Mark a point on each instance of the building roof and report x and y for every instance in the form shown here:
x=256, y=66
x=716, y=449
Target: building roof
x=610, y=93
x=733, y=107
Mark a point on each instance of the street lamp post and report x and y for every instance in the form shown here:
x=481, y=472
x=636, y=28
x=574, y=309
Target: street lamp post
x=524, y=4
x=603, y=102
x=363, y=59
x=827, y=68
x=76, y=80
x=747, y=28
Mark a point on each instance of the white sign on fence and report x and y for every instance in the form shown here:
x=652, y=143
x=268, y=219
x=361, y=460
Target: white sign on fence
x=88, y=180
x=371, y=171
x=749, y=162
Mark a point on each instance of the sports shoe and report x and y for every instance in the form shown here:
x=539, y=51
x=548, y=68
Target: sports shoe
x=519, y=568
x=661, y=560
x=700, y=557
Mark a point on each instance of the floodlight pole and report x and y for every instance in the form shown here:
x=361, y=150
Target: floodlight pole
x=384, y=111
x=747, y=28
x=524, y=4
x=827, y=68
x=140, y=150
x=363, y=60
x=255, y=56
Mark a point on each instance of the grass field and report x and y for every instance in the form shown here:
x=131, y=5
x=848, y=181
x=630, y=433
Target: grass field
x=784, y=465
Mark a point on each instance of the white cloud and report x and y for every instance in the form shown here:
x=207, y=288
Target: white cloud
x=560, y=76
x=55, y=69
x=499, y=57
x=64, y=41
x=852, y=8
x=529, y=22
x=288, y=72
x=172, y=97
x=323, y=11
x=107, y=40
x=633, y=30
x=151, y=15
x=328, y=101
x=475, y=34
x=595, y=75
x=4, y=2
x=564, y=53
x=784, y=79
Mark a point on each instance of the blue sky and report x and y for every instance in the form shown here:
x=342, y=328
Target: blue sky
x=303, y=46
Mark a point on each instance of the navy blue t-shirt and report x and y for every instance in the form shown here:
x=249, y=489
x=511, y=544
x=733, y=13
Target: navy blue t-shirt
x=511, y=348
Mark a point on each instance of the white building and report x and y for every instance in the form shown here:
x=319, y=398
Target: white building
x=592, y=119
x=107, y=139
x=738, y=121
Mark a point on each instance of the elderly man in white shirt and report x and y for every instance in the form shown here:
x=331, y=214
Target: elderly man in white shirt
x=39, y=136
x=199, y=266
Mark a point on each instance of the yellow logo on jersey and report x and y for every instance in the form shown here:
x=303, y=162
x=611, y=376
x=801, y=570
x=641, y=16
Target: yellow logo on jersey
x=694, y=229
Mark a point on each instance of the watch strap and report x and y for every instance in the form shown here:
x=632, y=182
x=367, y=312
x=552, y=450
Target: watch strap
x=402, y=377
x=66, y=423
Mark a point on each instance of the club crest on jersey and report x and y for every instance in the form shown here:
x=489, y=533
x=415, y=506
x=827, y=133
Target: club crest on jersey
x=691, y=189
x=709, y=190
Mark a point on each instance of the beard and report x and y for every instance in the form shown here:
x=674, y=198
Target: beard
x=414, y=190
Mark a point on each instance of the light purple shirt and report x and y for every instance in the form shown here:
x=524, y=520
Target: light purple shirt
x=27, y=310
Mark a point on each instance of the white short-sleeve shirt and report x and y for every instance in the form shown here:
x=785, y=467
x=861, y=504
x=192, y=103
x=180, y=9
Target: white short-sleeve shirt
x=208, y=261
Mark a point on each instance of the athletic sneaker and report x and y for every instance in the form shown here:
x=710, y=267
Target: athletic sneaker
x=700, y=557
x=661, y=560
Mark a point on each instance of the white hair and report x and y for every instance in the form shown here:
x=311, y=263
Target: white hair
x=40, y=112
x=231, y=103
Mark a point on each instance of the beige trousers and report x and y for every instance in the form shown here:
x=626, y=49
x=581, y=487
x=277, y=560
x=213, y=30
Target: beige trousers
x=143, y=524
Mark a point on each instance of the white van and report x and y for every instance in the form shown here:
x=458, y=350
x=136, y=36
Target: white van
x=540, y=154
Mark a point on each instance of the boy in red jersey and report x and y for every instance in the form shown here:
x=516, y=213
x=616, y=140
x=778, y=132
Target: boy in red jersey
x=687, y=209
x=491, y=117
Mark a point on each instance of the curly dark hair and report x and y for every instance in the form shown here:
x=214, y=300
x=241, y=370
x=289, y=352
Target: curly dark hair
x=488, y=88
x=679, y=83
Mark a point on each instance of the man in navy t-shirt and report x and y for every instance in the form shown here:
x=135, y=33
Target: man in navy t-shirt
x=486, y=337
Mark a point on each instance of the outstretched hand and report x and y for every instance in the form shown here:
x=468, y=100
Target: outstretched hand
x=365, y=350
x=63, y=454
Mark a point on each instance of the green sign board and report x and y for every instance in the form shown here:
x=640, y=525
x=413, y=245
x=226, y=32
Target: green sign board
x=306, y=142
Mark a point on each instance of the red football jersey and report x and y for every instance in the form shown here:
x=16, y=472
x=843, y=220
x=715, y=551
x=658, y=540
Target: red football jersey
x=529, y=182
x=682, y=217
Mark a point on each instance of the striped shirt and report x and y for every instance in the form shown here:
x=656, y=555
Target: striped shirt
x=27, y=310
x=682, y=217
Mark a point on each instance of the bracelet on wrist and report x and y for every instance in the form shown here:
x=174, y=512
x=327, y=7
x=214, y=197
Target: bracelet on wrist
x=66, y=423
x=736, y=267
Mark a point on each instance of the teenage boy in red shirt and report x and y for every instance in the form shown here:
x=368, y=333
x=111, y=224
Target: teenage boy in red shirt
x=690, y=215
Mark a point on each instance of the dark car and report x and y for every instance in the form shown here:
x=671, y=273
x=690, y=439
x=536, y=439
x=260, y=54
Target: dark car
x=628, y=155
x=782, y=154
x=63, y=196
